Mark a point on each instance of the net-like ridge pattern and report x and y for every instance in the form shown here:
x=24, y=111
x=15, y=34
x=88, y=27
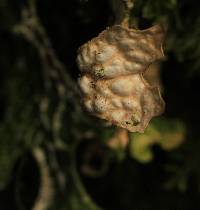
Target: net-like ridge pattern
x=112, y=84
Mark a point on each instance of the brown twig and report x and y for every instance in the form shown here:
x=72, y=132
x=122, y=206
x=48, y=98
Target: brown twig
x=122, y=10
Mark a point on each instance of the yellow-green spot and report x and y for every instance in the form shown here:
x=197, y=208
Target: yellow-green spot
x=99, y=72
x=135, y=121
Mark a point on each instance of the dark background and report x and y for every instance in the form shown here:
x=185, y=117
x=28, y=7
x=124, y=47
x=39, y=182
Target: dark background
x=127, y=183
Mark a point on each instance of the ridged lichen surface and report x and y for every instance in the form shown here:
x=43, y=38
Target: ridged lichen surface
x=112, y=83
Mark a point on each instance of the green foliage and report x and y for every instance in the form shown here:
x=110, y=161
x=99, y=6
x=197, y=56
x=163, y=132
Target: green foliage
x=181, y=20
x=168, y=134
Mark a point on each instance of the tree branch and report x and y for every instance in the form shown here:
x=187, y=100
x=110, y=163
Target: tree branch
x=122, y=10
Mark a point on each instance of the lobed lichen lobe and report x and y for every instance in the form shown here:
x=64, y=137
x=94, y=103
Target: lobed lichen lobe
x=114, y=63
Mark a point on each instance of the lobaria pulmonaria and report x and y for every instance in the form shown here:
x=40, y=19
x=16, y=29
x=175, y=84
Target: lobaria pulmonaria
x=112, y=83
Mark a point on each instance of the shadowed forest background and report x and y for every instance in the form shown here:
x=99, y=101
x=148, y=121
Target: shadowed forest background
x=53, y=155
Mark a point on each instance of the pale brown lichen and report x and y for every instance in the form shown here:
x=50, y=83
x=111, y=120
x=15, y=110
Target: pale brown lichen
x=112, y=84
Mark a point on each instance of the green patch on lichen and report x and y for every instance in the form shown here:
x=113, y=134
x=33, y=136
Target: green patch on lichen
x=135, y=121
x=99, y=73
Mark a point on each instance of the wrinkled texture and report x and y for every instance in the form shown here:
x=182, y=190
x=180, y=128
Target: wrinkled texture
x=112, y=83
